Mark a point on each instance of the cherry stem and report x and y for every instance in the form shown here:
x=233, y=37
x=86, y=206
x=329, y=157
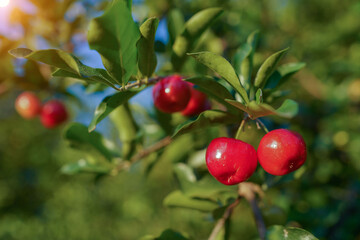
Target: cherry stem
x=138, y=83
x=248, y=191
x=262, y=125
x=221, y=222
x=240, y=129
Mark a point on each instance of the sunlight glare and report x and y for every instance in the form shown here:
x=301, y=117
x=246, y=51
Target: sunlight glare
x=4, y=3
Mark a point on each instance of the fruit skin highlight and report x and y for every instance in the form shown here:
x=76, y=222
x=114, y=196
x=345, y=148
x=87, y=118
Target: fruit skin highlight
x=28, y=105
x=171, y=94
x=230, y=161
x=53, y=114
x=281, y=151
x=197, y=104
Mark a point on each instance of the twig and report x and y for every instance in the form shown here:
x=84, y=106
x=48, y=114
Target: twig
x=262, y=125
x=221, y=222
x=162, y=143
x=248, y=190
x=139, y=83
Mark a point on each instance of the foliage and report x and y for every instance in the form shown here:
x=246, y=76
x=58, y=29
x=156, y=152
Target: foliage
x=214, y=44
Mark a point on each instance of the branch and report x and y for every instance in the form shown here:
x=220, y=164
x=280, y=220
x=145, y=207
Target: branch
x=157, y=146
x=139, y=83
x=248, y=190
x=221, y=222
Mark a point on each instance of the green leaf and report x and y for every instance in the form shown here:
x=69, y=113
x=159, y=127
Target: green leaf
x=80, y=138
x=206, y=119
x=248, y=62
x=221, y=66
x=283, y=73
x=288, y=109
x=69, y=65
x=178, y=199
x=108, y=104
x=115, y=35
x=259, y=96
x=288, y=233
x=213, y=89
x=240, y=55
x=83, y=166
x=147, y=57
x=175, y=24
x=267, y=68
x=192, y=30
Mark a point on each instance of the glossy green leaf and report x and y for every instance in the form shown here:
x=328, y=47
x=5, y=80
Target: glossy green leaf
x=288, y=109
x=115, y=35
x=83, y=166
x=213, y=89
x=288, y=233
x=147, y=57
x=267, y=68
x=109, y=104
x=221, y=66
x=175, y=23
x=69, y=65
x=206, y=119
x=191, y=32
x=178, y=199
x=80, y=138
x=283, y=73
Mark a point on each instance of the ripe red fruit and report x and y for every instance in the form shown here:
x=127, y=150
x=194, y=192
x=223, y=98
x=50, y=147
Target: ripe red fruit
x=171, y=94
x=28, y=105
x=281, y=151
x=198, y=103
x=53, y=114
x=230, y=161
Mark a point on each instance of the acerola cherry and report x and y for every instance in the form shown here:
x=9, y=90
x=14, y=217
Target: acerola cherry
x=230, y=161
x=53, y=114
x=28, y=105
x=281, y=151
x=171, y=94
x=198, y=103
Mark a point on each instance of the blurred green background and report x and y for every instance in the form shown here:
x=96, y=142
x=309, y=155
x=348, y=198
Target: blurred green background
x=38, y=202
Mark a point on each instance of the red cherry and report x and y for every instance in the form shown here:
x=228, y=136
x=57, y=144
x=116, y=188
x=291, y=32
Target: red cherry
x=171, y=94
x=198, y=103
x=28, y=105
x=281, y=151
x=53, y=114
x=230, y=161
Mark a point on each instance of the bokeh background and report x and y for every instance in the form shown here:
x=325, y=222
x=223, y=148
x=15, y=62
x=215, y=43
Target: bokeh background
x=37, y=201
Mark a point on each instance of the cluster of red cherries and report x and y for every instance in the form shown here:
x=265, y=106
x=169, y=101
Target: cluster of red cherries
x=229, y=160
x=52, y=113
x=171, y=94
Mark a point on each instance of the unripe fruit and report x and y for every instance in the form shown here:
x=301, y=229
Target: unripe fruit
x=171, y=94
x=53, y=114
x=230, y=161
x=28, y=105
x=198, y=103
x=281, y=151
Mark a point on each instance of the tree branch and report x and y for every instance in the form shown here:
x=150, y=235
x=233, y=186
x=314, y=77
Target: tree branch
x=248, y=190
x=221, y=222
x=147, y=151
x=139, y=83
